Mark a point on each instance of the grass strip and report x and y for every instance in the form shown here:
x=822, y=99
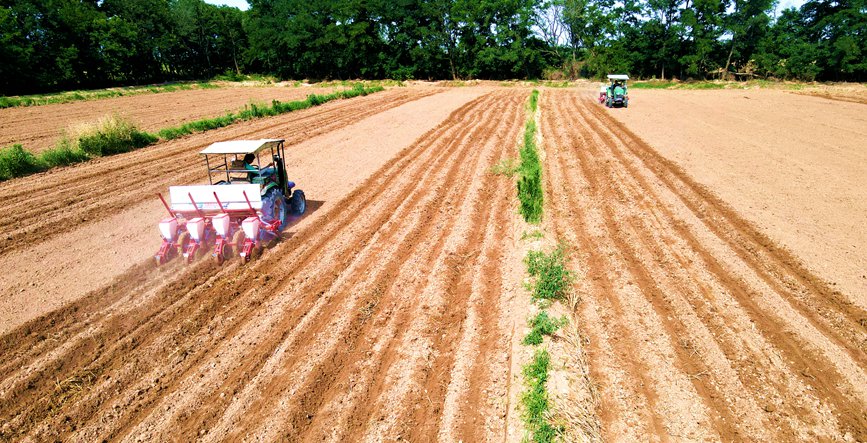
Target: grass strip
x=75, y=96
x=113, y=135
x=530, y=171
x=254, y=110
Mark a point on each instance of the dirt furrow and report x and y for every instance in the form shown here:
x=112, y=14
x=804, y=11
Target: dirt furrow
x=192, y=331
x=621, y=295
x=640, y=223
x=708, y=279
x=809, y=346
x=38, y=127
x=60, y=322
x=301, y=410
x=351, y=207
x=35, y=212
x=823, y=307
x=306, y=329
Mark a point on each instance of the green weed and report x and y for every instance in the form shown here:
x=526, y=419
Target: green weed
x=507, y=166
x=530, y=192
x=16, y=162
x=541, y=325
x=535, y=400
x=533, y=234
x=552, y=279
x=655, y=84
x=110, y=135
x=259, y=110
x=62, y=155
x=74, y=96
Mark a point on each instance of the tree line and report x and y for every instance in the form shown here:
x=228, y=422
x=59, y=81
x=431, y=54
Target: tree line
x=49, y=45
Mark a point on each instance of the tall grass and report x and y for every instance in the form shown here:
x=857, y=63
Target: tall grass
x=108, y=136
x=530, y=192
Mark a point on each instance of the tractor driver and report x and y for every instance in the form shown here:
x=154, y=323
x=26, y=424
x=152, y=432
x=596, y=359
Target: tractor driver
x=248, y=165
x=254, y=170
x=618, y=89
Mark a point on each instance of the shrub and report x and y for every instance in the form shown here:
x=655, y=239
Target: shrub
x=16, y=162
x=62, y=155
x=110, y=135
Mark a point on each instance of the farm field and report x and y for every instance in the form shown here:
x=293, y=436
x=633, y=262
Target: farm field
x=719, y=295
x=40, y=127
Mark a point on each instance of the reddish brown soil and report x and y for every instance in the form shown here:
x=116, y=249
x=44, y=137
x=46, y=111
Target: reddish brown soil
x=63, y=216
x=353, y=319
x=39, y=127
x=389, y=311
x=793, y=165
x=698, y=326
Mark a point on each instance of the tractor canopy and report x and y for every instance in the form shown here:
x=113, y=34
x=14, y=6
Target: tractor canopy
x=226, y=165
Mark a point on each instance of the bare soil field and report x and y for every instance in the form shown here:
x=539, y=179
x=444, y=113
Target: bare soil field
x=394, y=309
x=698, y=326
x=795, y=166
x=39, y=127
x=104, y=210
x=355, y=313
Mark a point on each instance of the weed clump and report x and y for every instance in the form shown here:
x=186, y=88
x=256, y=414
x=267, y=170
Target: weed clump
x=552, y=279
x=110, y=135
x=62, y=155
x=541, y=325
x=16, y=162
x=507, y=166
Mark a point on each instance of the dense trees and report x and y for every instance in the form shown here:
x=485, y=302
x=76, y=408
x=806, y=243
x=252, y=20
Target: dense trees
x=60, y=44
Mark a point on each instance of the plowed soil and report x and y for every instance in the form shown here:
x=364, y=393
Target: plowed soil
x=39, y=127
x=394, y=308
x=699, y=327
x=796, y=166
x=100, y=215
x=354, y=319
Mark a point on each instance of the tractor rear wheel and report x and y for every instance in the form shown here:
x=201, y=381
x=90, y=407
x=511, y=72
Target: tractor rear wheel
x=298, y=203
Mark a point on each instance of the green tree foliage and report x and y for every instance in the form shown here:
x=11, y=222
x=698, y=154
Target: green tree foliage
x=50, y=45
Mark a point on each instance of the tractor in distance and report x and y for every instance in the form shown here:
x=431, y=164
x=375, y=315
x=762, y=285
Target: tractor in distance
x=616, y=94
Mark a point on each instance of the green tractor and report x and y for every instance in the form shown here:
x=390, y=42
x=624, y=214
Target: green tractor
x=616, y=94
